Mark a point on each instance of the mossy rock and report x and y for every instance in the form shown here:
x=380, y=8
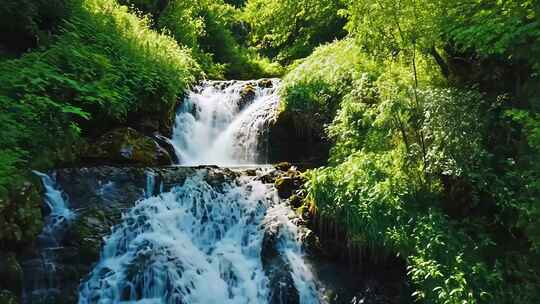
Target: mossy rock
x=20, y=213
x=289, y=183
x=296, y=201
x=127, y=146
x=89, y=229
x=11, y=273
x=283, y=166
x=265, y=83
x=247, y=95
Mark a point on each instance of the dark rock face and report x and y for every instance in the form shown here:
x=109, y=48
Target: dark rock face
x=298, y=138
x=126, y=146
x=20, y=213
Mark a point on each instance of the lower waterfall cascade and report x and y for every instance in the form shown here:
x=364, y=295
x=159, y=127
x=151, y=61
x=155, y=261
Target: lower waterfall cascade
x=211, y=229
x=197, y=243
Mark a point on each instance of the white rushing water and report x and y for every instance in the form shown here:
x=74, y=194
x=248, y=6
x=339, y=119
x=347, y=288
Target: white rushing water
x=197, y=243
x=59, y=213
x=204, y=242
x=216, y=125
x=41, y=272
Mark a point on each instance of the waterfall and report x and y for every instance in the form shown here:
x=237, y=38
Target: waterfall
x=41, y=272
x=218, y=236
x=224, y=123
x=200, y=242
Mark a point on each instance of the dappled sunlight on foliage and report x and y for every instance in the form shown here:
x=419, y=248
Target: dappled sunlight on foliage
x=289, y=30
x=104, y=64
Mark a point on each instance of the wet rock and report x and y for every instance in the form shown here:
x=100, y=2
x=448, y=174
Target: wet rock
x=89, y=229
x=20, y=213
x=287, y=185
x=103, y=187
x=126, y=146
x=296, y=201
x=11, y=274
x=266, y=83
x=312, y=245
x=166, y=144
x=298, y=137
x=247, y=95
x=289, y=182
x=251, y=172
x=269, y=176
x=283, y=166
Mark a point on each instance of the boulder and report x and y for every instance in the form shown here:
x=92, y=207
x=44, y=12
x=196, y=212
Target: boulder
x=166, y=144
x=283, y=166
x=266, y=83
x=127, y=146
x=247, y=95
x=289, y=183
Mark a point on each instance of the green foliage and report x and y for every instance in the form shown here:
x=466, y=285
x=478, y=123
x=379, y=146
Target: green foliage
x=506, y=28
x=105, y=64
x=394, y=26
x=527, y=173
x=369, y=194
x=208, y=29
x=317, y=84
x=27, y=23
x=288, y=30
x=410, y=160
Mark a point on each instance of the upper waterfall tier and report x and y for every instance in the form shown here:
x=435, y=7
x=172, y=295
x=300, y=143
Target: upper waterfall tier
x=225, y=122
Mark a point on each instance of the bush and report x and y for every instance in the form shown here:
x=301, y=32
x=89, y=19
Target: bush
x=105, y=65
x=289, y=30
x=209, y=29
x=317, y=84
x=410, y=174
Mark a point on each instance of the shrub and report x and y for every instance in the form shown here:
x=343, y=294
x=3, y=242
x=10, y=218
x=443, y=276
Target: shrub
x=289, y=30
x=105, y=65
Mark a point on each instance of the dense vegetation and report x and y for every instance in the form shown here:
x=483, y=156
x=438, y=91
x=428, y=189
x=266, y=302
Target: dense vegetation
x=432, y=108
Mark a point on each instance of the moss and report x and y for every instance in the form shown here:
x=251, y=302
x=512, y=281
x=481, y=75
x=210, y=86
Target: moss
x=126, y=145
x=21, y=214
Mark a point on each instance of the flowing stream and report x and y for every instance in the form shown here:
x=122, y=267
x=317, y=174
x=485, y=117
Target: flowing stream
x=225, y=123
x=43, y=281
x=198, y=243
x=212, y=238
